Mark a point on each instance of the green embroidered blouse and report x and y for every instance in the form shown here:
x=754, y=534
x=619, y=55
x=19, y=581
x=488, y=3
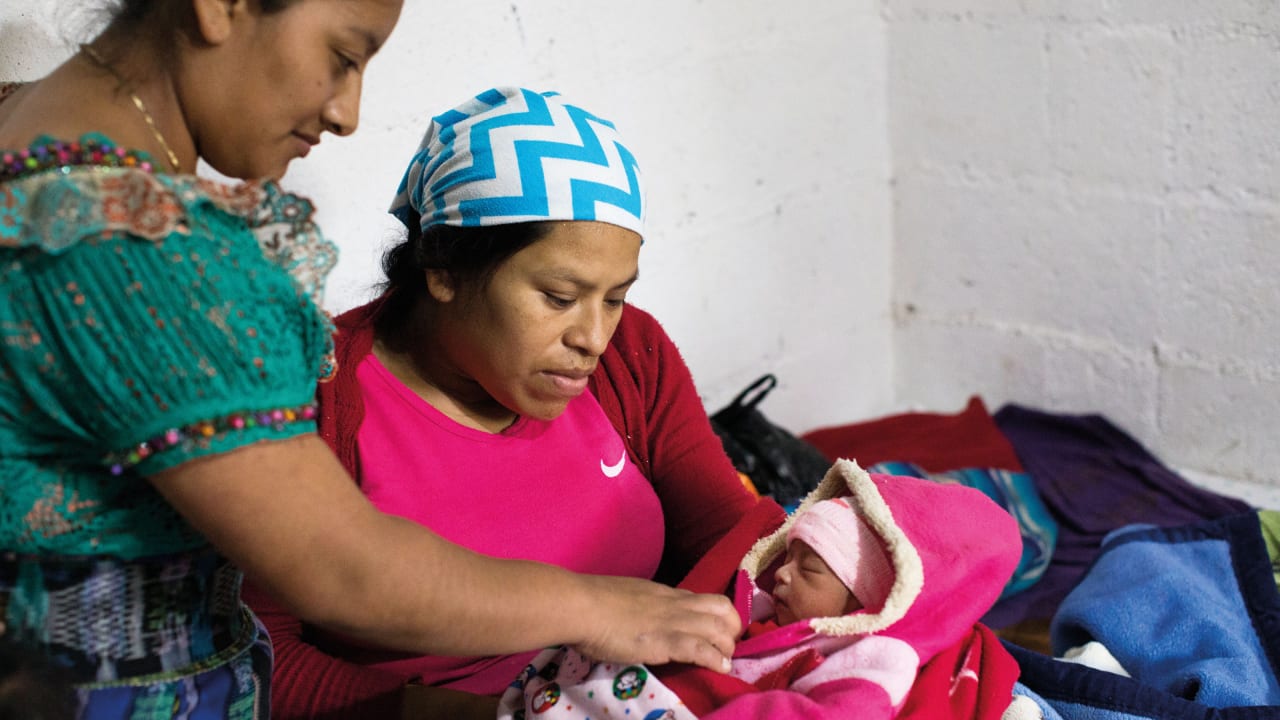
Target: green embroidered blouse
x=145, y=320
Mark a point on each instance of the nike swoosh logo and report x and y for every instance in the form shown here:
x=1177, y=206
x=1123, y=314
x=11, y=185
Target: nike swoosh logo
x=613, y=471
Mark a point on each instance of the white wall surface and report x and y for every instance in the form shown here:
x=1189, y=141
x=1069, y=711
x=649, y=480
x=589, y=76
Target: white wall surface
x=1087, y=217
x=895, y=204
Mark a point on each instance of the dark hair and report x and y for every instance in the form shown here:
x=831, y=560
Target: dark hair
x=160, y=25
x=32, y=688
x=127, y=13
x=162, y=21
x=470, y=255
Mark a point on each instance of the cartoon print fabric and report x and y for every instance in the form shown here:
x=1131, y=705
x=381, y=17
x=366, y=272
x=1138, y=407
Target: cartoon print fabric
x=562, y=683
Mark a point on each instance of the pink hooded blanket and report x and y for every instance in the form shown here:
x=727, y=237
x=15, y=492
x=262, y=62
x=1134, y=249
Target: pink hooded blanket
x=951, y=549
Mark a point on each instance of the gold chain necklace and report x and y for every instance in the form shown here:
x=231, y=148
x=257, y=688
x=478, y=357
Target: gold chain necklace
x=137, y=102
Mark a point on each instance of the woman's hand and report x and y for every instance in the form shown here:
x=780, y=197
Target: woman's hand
x=637, y=621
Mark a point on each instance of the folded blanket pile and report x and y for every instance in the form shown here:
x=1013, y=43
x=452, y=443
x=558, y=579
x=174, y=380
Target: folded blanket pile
x=1094, y=478
x=1089, y=475
x=1191, y=613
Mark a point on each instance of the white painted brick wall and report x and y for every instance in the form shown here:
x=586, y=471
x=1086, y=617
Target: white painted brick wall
x=1087, y=218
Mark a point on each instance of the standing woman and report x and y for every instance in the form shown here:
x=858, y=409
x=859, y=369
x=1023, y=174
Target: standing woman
x=160, y=341
x=504, y=394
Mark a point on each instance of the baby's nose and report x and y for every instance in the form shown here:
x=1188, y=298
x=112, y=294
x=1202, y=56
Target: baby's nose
x=782, y=575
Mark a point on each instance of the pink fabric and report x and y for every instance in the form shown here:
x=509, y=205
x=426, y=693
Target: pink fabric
x=567, y=483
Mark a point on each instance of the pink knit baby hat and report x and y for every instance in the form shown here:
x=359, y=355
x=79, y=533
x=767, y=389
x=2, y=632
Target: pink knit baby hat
x=855, y=554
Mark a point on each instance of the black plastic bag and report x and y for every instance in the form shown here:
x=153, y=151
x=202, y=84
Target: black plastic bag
x=779, y=464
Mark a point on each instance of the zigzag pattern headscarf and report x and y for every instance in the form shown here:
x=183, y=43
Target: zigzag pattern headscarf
x=513, y=155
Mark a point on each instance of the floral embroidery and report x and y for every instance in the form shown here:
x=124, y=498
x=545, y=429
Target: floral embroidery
x=86, y=193
x=86, y=198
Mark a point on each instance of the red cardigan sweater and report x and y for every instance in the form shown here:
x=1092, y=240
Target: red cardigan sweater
x=645, y=389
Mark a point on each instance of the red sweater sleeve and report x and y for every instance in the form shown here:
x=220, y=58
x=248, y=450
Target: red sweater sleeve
x=644, y=386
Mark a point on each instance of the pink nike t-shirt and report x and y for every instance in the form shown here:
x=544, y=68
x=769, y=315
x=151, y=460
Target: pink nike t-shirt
x=560, y=491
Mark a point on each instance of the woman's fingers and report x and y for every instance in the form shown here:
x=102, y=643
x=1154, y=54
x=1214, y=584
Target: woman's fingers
x=713, y=625
x=704, y=653
x=644, y=622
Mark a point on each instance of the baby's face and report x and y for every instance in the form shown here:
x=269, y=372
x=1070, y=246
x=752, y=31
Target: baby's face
x=805, y=587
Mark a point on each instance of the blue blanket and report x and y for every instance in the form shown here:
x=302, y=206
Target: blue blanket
x=1191, y=612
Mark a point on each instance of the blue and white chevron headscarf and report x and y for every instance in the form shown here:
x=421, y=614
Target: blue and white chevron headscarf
x=512, y=155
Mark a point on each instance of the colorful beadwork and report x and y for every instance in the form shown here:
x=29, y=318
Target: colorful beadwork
x=278, y=418
x=59, y=154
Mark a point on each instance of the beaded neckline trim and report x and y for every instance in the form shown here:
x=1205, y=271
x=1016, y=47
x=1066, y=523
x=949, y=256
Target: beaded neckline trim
x=58, y=154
